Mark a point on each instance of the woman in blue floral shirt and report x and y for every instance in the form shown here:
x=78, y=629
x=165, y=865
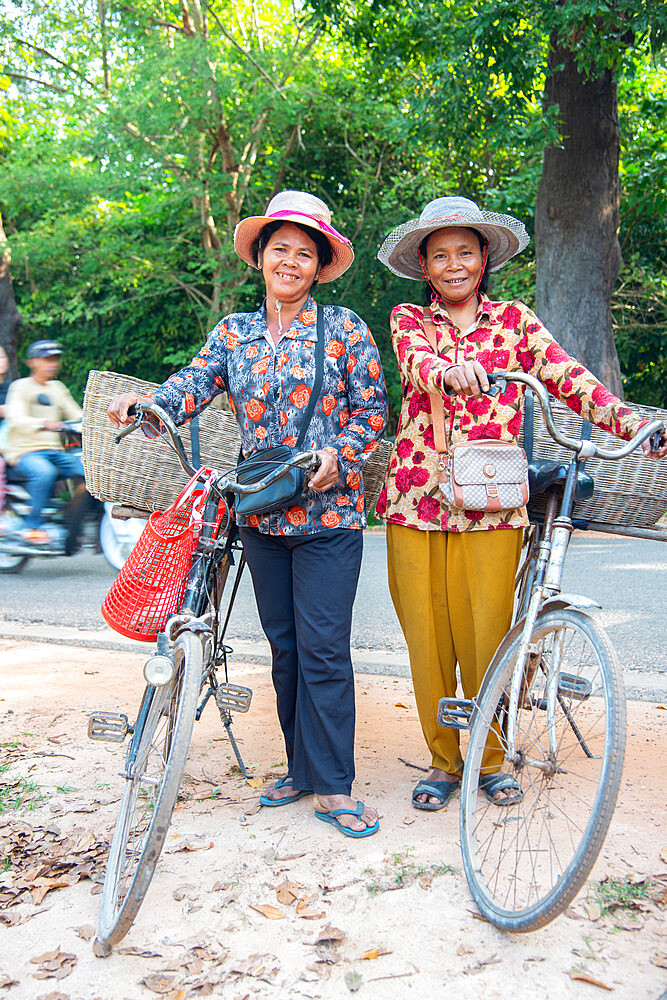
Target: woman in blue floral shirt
x=304, y=561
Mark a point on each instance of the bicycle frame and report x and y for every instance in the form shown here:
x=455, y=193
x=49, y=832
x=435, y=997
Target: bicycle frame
x=206, y=581
x=547, y=572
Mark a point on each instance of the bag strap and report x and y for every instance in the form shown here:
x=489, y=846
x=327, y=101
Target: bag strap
x=437, y=405
x=194, y=442
x=319, y=377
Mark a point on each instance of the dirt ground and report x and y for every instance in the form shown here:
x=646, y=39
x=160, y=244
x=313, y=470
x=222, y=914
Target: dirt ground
x=251, y=902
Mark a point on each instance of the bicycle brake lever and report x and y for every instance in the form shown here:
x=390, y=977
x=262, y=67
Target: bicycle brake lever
x=656, y=441
x=498, y=384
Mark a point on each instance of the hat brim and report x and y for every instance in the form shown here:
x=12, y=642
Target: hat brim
x=249, y=229
x=400, y=250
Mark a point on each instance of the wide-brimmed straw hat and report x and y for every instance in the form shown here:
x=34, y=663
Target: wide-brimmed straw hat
x=307, y=210
x=506, y=235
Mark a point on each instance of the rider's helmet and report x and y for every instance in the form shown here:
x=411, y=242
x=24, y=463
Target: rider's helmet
x=43, y=349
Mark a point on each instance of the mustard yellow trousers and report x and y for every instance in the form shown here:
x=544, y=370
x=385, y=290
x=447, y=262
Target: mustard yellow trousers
x=453, y=594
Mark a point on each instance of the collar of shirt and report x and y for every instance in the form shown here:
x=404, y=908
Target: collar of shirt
x=304, y=326
x=483, y=312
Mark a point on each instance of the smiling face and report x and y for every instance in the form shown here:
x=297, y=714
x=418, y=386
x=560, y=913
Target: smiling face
x=289, y=264
x=454, y=263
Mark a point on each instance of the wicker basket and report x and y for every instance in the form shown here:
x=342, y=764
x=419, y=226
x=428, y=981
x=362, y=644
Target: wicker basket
x=144, y=473
x=629, y=492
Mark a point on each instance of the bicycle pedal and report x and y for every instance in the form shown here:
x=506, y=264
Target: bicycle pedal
x=572, y=686
x=233, y=697
x=454, y=713
x=112, y=727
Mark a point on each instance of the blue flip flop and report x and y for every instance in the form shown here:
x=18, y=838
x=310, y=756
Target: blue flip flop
x=285, y=782
x=332, y=817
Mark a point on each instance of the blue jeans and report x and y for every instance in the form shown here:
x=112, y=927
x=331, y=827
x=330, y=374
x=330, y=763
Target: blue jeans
x=41, y=470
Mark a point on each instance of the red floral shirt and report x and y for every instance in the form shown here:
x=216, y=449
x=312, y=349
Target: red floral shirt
x=505, y=335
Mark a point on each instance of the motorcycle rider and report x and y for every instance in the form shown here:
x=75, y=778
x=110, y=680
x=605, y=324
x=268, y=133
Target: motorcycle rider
x=35, y=410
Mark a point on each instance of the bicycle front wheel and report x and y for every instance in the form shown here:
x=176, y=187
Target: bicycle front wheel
x=525, y=862
x=155, y=764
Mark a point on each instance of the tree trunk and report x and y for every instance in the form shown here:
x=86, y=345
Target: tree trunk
x=576, y=222
x=10, y=317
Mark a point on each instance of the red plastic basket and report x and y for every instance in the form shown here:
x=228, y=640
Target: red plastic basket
x=149, y=587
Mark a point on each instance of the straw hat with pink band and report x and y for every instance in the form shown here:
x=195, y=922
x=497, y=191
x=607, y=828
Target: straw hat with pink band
x=305, y=210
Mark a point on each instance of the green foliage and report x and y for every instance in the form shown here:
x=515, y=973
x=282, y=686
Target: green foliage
x=135, y=133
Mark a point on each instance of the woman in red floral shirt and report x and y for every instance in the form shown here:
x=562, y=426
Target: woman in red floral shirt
x=451, y=571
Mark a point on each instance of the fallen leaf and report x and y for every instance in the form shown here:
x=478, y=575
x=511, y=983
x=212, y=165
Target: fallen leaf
x=288, y=892
x=54, y=964
x=55, y=995
x=272, y=912
x=255, y=782
x=374, y=953
x=185, y=845
x=352, y=981
x=306, y=912
x=328, y=934
x=159, y=983
x=48, y=956
x=399, y=704
x=582, y=977
x=138, y=950
x=659, y=960
x=663, y=855
x=85, y=931
x=6, y=983
x=593, y=910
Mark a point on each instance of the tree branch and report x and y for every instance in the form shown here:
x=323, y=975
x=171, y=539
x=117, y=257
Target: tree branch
x=55, y=58
x=246, y=54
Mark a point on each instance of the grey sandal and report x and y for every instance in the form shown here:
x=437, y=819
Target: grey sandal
x=491, y=784
x=440, y=790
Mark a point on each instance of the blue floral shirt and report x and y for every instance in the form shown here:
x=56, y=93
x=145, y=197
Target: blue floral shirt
x=269, y=391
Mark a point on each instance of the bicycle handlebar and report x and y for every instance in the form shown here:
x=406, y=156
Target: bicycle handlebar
x=586, y=449
x=225, y=480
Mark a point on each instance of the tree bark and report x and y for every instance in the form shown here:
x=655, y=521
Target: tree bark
x=577, y=217
x=10, y=317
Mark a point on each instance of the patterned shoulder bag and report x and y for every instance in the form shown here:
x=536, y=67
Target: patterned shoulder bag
x=485, y=474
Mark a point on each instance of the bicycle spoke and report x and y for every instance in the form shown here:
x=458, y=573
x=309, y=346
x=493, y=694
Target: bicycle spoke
x=523, y=859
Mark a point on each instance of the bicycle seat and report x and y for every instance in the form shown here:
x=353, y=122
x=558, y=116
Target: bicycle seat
x=543, y=473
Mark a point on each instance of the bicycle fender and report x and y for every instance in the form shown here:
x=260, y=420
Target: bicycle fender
x=562, y=601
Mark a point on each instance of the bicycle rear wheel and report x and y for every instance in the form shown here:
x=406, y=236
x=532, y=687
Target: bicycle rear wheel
x=524, y=863
x=155, y=764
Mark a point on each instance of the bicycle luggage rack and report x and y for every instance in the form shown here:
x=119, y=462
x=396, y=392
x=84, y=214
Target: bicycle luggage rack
x=455, y=713
x=111, y=727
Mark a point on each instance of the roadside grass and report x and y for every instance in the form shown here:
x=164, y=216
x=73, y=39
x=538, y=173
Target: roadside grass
x=614, y=894
x=401, y=870
x=19, y=793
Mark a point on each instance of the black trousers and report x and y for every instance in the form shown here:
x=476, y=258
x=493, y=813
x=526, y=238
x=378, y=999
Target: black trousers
x=305, y=587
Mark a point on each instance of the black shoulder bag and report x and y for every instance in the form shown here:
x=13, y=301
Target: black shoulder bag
x=289, y=489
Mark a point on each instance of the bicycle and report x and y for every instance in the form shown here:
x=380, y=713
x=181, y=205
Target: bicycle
x=181, y=678
x=552, y=704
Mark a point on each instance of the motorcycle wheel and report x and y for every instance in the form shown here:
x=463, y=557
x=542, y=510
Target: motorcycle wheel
x=116, y=549
x=11, y=563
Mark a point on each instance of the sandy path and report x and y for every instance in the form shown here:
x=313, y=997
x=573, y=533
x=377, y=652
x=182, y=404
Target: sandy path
x=400, y=896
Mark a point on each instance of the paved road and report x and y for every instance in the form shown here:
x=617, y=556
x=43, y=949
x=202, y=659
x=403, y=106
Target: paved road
x=627, y=576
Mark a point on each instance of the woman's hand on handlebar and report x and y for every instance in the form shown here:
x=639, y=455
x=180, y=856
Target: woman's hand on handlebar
x=117, y=410
x=327, y=473
x=467, y=379
x=661, y=451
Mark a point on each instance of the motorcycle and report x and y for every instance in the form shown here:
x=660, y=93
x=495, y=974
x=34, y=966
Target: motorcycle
x=73, y=519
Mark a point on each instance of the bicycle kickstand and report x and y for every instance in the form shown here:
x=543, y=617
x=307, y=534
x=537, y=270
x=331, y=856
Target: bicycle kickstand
x=227, y=722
